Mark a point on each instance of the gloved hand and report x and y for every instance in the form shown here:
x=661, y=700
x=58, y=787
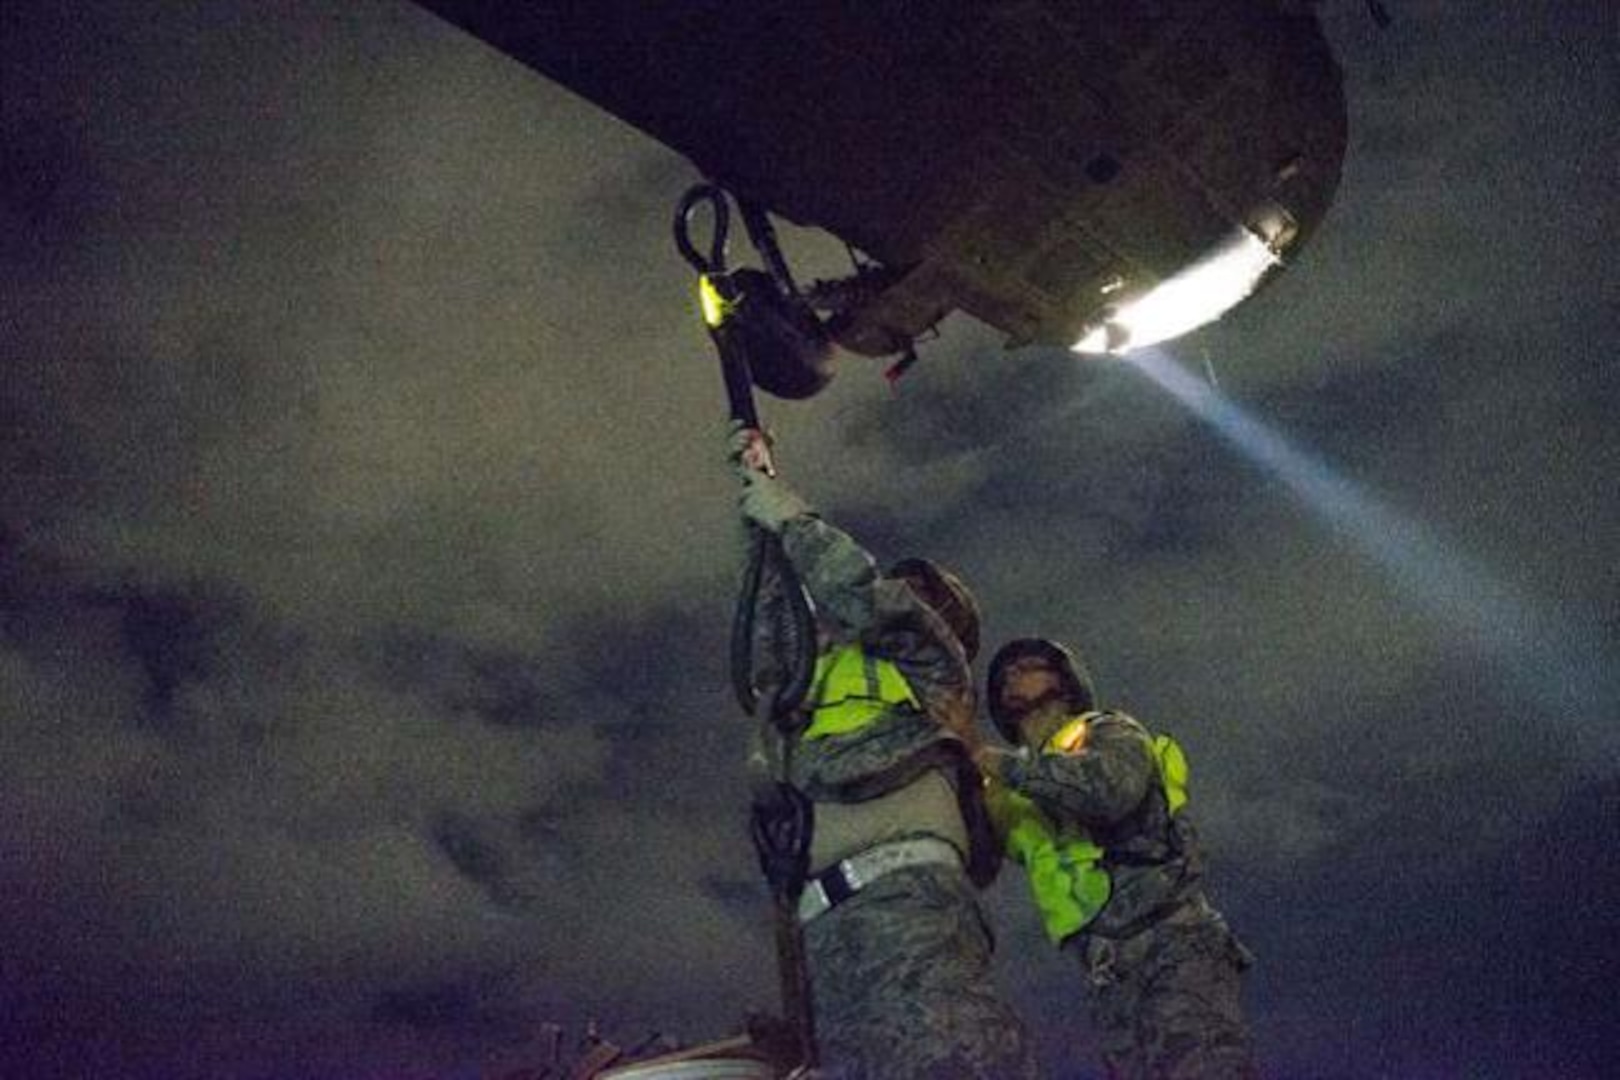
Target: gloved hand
x=1001, y=764
x=744, y=449
x=769, y=503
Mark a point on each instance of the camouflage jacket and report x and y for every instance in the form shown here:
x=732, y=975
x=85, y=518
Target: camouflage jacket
x=1110, y=789
x=888, y=620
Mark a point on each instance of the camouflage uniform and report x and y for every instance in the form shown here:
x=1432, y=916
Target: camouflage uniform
x=1162, y=966
x=900, y=971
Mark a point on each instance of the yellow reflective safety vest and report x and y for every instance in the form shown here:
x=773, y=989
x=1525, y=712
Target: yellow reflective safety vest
x=852, y=688
x=1063, y=863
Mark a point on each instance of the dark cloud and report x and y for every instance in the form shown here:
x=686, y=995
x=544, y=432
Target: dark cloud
x=482, y=1004
x=956, y=408
x=501, y=687
x=1037, y=438
x=46, y=186
x=1477, y=924
x=473, y=854
x=747, y=899
x=441, y=1005
x=165, y=636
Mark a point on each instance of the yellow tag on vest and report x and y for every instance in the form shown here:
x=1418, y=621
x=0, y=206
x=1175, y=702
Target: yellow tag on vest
x=1071, y=737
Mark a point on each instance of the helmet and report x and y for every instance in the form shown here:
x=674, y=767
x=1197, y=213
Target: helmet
x=944, y=592
x=1073, y=679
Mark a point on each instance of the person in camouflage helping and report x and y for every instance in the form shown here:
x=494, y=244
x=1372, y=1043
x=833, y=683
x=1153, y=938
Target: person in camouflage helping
x=1092, y=807
x=897, y=947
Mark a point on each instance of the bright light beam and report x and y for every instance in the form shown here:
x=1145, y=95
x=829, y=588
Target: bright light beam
x=1541, y=658
x=1190, y=298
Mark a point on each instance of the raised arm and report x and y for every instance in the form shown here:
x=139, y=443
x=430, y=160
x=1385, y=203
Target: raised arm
x=883, y=613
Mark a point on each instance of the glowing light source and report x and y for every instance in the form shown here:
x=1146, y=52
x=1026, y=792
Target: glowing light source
x=1186, y=300
x=715, y=307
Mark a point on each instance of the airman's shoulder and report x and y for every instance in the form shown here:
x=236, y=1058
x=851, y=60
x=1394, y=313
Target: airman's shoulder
x=1112, y=723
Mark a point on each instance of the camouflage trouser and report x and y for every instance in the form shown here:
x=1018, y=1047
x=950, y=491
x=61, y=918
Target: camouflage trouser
x=900, y=976
x=1165, y=1000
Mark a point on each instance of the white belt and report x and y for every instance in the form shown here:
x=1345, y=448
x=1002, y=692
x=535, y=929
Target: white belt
x=847, y=877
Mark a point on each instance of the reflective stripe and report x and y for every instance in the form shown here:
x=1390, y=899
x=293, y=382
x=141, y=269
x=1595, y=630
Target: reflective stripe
x=849, y=876
x=852, y=689
x=715, y=307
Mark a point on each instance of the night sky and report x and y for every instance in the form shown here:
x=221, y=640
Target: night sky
x=366, y=557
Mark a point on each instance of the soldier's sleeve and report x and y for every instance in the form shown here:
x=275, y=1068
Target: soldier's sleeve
x=884, y=613
x=1097, y=784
